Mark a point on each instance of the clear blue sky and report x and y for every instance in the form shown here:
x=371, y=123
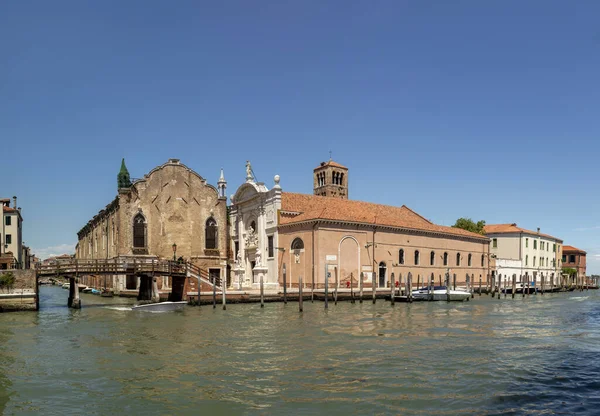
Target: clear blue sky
x=485, y=109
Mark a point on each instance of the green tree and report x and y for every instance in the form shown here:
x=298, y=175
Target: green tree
x=570, y=271
x=7, y=280
x=470, y=225
x=123, y=179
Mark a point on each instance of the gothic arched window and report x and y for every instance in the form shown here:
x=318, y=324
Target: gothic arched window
x=297, y=244
x=469, y=259
x=211, y=233
x=417, y=257
x=458, y=259
x=432, y=258
x=139, y=231
x=445, y=259
x=401, y=256
x=482, y=260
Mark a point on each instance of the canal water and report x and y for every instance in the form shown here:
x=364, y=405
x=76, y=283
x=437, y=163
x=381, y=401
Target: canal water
x=538, y=355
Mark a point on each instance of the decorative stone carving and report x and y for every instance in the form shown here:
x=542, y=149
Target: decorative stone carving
x=251, y=237
x=257, y=258
x=238, y=260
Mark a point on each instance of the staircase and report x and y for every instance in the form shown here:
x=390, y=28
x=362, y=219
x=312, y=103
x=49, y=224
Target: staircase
x=196, y=272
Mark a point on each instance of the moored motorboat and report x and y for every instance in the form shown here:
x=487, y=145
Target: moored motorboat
x=160, y=307
x=66, y=286
x=440, y=293
x=87, y=290
x=106, y=293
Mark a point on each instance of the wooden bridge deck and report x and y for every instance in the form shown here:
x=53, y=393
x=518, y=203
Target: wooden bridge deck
x=112, y=266
x=125, y=266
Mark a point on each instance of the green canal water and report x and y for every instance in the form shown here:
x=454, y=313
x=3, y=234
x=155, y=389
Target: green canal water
x=537, y=355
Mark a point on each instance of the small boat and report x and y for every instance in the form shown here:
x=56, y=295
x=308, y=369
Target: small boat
x=440, y=293
x=161, y=306
x=87, y=290
x=95, y=292
x=106, y=293
x=66, y=286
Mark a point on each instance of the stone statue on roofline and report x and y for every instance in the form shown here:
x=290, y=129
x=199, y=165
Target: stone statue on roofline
x=249, y=175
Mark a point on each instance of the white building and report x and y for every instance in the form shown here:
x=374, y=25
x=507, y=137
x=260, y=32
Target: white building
x=253, y=233
x=11, y=238
x=524, y=253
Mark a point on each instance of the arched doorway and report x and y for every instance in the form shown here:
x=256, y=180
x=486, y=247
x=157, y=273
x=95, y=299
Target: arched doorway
x=382, y=271
x=349, y=261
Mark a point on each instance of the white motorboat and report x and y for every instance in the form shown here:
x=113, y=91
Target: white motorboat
x=440, y=293
x=161, y=306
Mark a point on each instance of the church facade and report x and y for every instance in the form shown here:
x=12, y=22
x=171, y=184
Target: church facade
x=323, y=234
x=172, y=212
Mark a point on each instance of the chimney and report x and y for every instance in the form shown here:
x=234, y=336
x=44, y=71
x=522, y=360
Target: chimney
x=14, y=202
x=538, y=230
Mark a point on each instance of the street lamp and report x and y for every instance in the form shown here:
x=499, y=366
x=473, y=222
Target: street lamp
x=174, y=251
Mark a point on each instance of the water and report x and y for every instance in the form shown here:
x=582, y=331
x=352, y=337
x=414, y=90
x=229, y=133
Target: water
x=537, y=355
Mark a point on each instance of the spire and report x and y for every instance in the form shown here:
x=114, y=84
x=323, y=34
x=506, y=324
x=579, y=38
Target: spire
x=222, y=185
x=123, y=179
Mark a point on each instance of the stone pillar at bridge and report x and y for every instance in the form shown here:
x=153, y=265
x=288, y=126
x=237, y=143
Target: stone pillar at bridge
x=74, y=301
x=155, y=294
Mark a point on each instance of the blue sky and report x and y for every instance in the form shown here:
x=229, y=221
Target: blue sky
x=485, y=109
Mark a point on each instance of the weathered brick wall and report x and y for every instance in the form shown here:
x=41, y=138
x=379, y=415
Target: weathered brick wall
x=24, y=279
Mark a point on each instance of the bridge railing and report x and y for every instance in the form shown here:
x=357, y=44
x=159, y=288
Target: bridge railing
x=118, y=265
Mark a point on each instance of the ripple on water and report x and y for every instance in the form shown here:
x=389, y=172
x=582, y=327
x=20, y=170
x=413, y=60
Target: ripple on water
x=521, y=356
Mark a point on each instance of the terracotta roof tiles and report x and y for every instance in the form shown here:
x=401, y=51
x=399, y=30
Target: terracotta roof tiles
x=330, y=163
x=571, y=249
x=303, y=207
x=513, y=228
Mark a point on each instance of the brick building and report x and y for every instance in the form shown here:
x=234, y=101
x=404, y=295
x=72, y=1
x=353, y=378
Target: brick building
x=171, y=212
x=303, y=233
x=574, y=258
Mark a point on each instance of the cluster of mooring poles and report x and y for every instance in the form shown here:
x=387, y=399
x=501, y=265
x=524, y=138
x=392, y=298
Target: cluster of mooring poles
x=402, y=289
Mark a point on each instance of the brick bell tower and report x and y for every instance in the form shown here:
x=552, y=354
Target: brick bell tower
x=331, y=179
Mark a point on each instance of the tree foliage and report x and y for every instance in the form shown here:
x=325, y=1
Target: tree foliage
x=470, y=225
x=570, y=271
x=123, y=179
x=7, y=280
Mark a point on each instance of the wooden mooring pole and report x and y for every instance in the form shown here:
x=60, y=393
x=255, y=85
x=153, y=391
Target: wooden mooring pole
x=284, y=285
x=214, y=282
x=352, y=288
x=300, y=294
x=262, y=291
x=514, y=285
x=360, y=284
x=479, y=285
x=392, y=289
x=224, y=291
x=409, y=287
x=335, y=289
x=373, y=287
x=326, y=288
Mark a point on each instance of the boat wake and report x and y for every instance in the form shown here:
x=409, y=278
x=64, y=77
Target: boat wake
x=119, y=308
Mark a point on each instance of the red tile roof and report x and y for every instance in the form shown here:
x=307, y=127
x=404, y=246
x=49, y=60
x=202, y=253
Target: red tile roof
x=330, y=163
x=571, y=249
x=303, y=207
x=512, y=228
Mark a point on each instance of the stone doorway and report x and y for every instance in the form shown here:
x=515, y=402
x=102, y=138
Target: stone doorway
x=145, y=292
x=382, y=271
x=178, y=284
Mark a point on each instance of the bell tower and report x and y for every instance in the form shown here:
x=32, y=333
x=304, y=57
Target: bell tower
x=331, y=179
